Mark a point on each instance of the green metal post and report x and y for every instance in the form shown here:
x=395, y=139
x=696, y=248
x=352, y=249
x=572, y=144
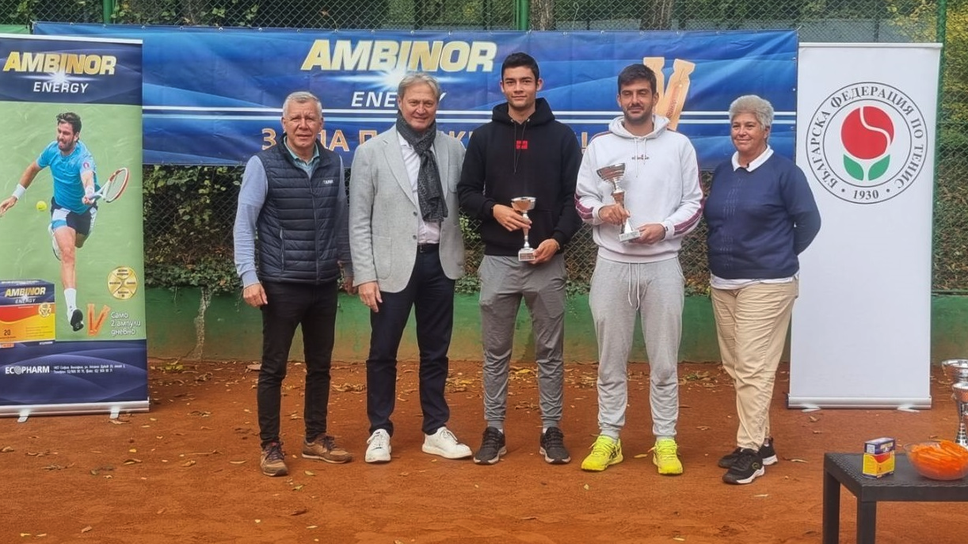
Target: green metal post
x=941, y=31
x=108, y=10
x=942, y=26
x=522, y=14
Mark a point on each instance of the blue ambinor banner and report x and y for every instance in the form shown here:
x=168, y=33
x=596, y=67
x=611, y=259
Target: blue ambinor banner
x=214, y=96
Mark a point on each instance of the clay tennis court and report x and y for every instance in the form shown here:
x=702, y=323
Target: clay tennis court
x=188, y=471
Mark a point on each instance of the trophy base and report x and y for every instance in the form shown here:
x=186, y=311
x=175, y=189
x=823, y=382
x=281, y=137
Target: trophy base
x=628, y=236
x=526, y=254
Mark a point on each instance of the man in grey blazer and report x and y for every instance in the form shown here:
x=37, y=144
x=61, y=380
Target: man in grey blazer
x=407, y=252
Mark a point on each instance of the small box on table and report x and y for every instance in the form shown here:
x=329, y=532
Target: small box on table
x=879, y=457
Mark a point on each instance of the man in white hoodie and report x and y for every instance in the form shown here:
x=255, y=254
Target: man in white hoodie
x=662, y=202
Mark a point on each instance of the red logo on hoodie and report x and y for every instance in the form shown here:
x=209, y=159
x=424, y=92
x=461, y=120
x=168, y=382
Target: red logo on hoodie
x=520, y=144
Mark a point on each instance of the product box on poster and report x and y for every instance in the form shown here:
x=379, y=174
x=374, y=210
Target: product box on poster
x=879, y=457
x=27, y=312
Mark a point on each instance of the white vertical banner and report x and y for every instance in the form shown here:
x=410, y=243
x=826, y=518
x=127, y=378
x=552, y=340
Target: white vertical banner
x=861, y=333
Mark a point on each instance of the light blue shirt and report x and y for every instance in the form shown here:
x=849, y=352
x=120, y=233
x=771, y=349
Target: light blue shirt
x=66, y=171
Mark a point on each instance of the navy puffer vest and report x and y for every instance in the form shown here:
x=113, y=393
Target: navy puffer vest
x=298, y=225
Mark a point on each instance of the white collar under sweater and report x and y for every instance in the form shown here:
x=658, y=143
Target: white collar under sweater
x=755, y=163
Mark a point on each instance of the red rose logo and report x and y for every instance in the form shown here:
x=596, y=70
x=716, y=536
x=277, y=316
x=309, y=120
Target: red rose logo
x=867, y=133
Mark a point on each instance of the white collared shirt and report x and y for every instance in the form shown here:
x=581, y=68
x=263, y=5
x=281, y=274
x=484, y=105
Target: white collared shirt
x=427, y=233
x=755, y=163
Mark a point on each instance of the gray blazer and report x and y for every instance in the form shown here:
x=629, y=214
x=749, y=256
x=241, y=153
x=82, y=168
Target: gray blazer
x=383, y=212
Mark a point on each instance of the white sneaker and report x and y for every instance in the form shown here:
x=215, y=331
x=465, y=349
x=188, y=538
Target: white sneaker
x=445, y=444
x=378, y=447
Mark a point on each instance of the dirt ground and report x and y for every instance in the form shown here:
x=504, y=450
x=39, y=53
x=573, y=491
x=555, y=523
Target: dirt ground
x=187, y=471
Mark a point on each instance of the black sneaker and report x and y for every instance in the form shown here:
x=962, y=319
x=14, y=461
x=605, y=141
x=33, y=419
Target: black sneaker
x=767, y=455
x=77, y=320
x=727, y=460
x=492, y=447
x=745, y=469
x=553, y=446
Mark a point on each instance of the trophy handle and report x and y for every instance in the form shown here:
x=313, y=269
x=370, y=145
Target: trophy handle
x=627, y=232
x=619, y=196
x=522, y=205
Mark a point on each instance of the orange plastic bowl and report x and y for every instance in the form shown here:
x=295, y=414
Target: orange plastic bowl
x=939, y=459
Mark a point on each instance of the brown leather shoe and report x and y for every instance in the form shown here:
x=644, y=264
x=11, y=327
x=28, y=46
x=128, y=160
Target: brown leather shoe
x=324, y=447
x=273, y=460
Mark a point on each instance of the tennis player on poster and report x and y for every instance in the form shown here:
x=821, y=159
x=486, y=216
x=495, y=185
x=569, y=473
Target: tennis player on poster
x=73, y=207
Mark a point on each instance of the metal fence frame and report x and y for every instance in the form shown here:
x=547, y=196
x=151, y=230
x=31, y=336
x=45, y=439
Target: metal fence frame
x=188, y=245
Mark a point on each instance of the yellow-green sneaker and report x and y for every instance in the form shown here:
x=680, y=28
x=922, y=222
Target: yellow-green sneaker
x=665, y=456
x=606, y=451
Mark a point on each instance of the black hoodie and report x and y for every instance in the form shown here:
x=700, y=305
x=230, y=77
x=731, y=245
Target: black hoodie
x=506, y=159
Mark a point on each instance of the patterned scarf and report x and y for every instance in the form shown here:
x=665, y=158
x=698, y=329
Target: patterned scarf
x=430, y=197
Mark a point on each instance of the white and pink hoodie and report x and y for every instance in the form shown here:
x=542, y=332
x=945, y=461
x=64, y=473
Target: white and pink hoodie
x=661, y=185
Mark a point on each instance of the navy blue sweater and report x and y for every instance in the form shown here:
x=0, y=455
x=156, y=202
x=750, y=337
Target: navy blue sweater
x=759, y=221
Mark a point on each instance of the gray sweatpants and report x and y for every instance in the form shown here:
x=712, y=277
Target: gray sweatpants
x=619, y=291
x=504, y=282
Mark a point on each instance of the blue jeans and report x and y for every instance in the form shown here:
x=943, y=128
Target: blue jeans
x=313, y=306
x=431, y=294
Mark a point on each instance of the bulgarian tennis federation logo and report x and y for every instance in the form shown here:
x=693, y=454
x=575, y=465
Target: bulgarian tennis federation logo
x=867, y=143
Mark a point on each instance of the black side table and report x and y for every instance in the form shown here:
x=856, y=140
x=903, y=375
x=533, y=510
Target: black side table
x=904, y=485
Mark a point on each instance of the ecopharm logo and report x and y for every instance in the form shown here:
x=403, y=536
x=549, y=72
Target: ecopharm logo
x=18, y=370
x=867, y=143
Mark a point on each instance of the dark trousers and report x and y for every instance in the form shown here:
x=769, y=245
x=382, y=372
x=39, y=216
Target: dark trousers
x=291, y=304
x=431, y=294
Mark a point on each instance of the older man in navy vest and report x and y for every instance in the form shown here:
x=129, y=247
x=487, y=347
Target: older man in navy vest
x=293, y=200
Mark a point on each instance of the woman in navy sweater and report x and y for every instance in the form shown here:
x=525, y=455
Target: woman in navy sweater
x=760, y=214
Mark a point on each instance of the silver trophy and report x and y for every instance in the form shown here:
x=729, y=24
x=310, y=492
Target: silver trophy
x=613, y=174
x=957, y=372
x=961, y=401
x=521, y=205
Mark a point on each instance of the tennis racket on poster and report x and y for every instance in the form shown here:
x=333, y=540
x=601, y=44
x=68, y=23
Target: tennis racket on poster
x=114, y=187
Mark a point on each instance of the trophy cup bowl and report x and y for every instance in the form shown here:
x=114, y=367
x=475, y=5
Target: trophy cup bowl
x=960, y=392
x=957, y=371
x=613, y=174
x=522, y=205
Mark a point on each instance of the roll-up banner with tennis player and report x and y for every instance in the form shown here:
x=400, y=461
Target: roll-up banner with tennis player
x=72, y=310
x=213, y=96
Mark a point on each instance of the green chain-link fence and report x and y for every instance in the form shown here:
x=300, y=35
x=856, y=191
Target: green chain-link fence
x=189, y=211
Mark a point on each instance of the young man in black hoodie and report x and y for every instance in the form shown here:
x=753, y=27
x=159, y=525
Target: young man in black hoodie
x=522, y=152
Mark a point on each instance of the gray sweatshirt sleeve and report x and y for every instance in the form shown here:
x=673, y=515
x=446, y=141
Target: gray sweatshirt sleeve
x=252, y=196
